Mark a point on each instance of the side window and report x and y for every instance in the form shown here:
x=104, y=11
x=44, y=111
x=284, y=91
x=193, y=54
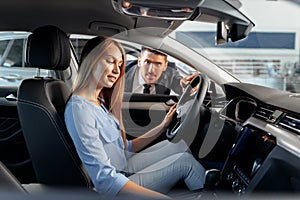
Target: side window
x=78, y=42
x=152, y=70
x=78, y=45
x=3, y=45
x=11, y=52
x=170, y=78
x=182, y=68
x=15, y=53
x=13, y=68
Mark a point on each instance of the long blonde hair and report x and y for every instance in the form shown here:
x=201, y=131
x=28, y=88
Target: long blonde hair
x=92, y=53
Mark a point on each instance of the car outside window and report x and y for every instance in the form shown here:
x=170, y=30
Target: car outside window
x=13, y=67
x=78, y=41
x=132, y=52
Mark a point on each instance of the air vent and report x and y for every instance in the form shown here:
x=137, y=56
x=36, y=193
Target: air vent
x=290, y=122
x=263, y=113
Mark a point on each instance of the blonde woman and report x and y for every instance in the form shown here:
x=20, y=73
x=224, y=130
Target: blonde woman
x=94, y=121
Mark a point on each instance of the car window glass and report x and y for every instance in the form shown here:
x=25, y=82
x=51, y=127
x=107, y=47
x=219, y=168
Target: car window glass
x=78, y=45
x=15, y=53
x=13, y=68
x=170, y=78
x=78, y=41
x=269, y=56
x=3, y=45
x=132, y=52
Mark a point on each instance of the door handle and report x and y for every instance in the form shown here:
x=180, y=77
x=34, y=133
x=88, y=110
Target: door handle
x=11, y=97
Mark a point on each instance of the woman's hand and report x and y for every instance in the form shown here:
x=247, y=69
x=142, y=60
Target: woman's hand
x=169, y=116
x=142, y=141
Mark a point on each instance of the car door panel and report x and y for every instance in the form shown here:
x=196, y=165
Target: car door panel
x=142, y=112
x=13, y=150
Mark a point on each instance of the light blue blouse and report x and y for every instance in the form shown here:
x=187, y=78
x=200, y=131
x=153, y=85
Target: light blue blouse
x=96, y=135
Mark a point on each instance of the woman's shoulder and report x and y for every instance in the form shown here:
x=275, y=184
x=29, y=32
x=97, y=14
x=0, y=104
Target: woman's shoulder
x=79, y=104
x=80, y=109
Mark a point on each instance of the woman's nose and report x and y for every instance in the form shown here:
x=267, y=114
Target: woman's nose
x=116, y=69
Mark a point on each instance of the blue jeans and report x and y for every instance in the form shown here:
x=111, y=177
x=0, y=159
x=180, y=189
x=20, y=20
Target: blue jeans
x=161, y=166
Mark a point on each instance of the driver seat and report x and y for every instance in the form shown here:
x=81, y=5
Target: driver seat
x=41, y=103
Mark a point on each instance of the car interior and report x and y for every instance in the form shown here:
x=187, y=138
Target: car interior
x=245, y=135
x=47, y=105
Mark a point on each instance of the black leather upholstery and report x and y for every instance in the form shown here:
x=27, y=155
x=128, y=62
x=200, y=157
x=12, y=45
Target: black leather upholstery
x=48, y=48
x=8, y=182
x=41, y=104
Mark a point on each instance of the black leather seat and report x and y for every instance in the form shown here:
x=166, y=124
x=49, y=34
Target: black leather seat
x=9, y=183
x=41, y=103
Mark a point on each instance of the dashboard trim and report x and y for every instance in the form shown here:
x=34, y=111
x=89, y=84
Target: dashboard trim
x=284, y=139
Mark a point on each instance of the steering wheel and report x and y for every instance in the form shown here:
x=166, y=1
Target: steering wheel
x=188, y=110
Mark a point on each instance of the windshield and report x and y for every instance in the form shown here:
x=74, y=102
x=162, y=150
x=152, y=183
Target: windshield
x=269, y=56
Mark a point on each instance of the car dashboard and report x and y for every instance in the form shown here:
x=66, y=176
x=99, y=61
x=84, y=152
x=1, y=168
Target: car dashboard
x=266, y=155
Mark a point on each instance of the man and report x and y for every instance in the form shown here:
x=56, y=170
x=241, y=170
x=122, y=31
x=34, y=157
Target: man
x=153, y=74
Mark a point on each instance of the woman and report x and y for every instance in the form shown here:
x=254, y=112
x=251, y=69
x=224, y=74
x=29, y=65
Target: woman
x=94, y=121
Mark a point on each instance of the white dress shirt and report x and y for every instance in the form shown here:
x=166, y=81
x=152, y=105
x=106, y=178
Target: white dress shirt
x=138, y=82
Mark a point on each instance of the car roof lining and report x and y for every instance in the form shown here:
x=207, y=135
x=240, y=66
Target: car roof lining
x=93, y=17
x=20, y=15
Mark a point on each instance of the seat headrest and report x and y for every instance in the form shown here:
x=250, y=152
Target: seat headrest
x=48, y=47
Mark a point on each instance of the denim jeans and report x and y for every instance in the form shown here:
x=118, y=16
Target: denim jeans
x=161, y=166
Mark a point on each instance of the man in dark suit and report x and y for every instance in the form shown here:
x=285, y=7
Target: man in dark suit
x=153, y=74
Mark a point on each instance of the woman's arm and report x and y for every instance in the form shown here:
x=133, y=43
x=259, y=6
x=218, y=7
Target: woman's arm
x=133, y=190
x=84, y=129
x=142, y=141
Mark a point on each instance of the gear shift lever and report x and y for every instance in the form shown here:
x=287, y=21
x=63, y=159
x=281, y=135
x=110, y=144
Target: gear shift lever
x=212, y=177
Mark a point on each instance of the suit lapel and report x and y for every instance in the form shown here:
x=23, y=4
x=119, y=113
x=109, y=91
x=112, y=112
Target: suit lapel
x=129, y=76
x=160, y=89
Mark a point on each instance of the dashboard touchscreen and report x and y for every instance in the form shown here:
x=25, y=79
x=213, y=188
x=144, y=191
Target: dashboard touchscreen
x=251, y=150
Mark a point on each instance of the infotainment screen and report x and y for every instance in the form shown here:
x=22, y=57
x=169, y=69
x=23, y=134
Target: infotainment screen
x=251, y=150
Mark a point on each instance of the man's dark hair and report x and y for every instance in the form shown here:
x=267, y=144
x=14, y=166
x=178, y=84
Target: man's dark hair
x=153, y=51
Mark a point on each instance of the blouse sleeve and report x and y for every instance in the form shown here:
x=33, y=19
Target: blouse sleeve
x=80, y=122
x=129, y=145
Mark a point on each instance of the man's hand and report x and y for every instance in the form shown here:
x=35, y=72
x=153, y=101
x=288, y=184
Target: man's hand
x=186, y=80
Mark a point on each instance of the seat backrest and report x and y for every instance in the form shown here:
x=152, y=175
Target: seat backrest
x=41, y=103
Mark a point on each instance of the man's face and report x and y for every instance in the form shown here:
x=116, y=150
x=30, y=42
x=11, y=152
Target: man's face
x=151, y=66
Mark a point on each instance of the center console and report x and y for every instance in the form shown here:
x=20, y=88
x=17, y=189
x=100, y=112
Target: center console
x=246, y=158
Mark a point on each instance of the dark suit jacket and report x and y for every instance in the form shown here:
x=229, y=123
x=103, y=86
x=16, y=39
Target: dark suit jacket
x=169, y=80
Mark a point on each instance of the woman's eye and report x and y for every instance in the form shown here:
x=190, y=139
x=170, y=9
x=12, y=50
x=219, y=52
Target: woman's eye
x=109, y=61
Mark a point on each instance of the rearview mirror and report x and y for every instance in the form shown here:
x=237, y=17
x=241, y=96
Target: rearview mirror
x=221, y=33
x=234, y=32
x=239, y=31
